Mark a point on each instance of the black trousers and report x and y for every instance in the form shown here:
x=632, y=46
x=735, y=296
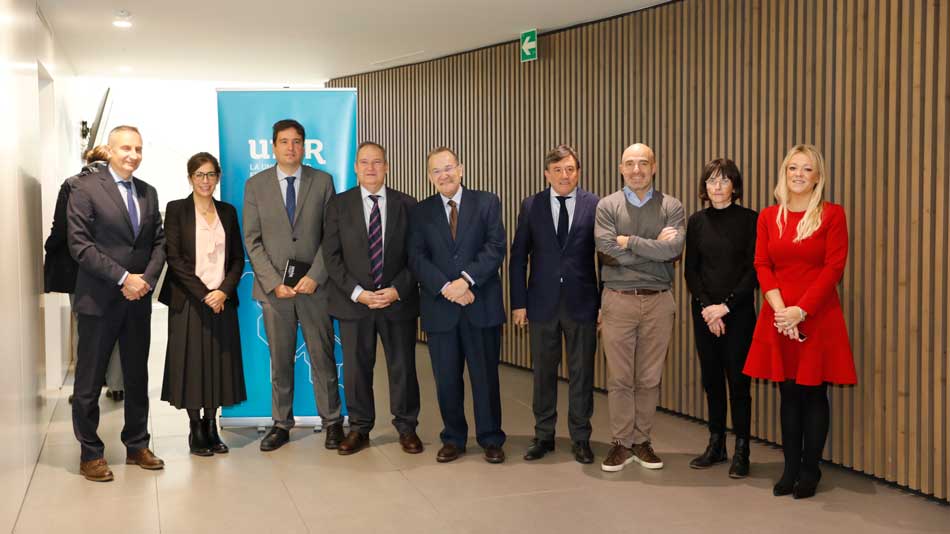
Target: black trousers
x=546, y=354
x=129, y=324
x=479, y=349
x=721, y=360
x=358, y=338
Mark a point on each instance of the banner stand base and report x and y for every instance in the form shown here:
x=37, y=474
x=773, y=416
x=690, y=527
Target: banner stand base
x=261, y=423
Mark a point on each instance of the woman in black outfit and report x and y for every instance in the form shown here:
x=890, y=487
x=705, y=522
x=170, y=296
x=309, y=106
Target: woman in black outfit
x=203, y=368
x=720, y=247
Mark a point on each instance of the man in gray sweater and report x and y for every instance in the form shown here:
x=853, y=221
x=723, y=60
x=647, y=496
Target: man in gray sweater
x=639, y=233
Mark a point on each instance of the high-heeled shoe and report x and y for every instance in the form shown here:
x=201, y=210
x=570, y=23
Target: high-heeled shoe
x=806, y=486
x=786, y=485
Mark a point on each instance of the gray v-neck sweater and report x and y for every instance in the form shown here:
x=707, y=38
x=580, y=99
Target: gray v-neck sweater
x=645, y=263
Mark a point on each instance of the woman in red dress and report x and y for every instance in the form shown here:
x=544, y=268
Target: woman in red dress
x=800, y=339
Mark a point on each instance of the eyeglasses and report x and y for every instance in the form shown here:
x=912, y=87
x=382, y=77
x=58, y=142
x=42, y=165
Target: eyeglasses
x=444, y=170
x=713, y=182
x=205, y=176
x=563, y=171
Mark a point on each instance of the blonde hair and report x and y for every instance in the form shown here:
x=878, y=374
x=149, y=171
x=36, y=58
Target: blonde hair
x=811, y=222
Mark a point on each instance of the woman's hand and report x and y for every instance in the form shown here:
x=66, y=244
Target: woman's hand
x=717, y=327
x=714, y=312
x=215, y=300
x=789, y=318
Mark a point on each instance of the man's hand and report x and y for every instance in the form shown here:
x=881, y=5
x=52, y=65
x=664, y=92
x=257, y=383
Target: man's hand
x=714, y=312
x=623, y=241
x=467, y=298
x=519, y=317
x=215, y=300
x=387, y=296
x=455, y=290
x=135, y=287
x=667, y=234
x=284, y=292
x=306, y=285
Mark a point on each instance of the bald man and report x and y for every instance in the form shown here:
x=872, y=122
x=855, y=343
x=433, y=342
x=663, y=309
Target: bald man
x=639, y=233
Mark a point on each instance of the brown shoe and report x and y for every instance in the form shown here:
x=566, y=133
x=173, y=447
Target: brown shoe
x=618, y=458
x=354, y=442
x=643, y=454
x=448, y=453
x=96, y=470
x=494, y=454
x=410, y=442
x=144, y=459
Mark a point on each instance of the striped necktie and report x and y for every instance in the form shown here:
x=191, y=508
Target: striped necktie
x=376, y=243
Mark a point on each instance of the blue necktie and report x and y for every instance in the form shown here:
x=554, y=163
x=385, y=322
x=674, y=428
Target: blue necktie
x=291, y=199
x=133, y=211
x=562, y=222
x=376, y=243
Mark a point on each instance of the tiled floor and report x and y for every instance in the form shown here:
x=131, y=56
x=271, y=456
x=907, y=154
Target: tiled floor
x=305, y=488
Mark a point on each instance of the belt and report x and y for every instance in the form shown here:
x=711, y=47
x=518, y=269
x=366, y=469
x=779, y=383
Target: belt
x=639, y=291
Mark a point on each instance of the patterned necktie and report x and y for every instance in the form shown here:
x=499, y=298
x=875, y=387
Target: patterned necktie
x=453, y=218
x=376, y=243
x=291, y=199
x=562, y=222
x=133, y=210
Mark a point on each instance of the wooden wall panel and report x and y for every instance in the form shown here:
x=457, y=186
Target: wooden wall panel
x=866, y=81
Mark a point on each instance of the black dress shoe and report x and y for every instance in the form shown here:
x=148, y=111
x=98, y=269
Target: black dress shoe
x=582, y=452
x=276, y=438
x=214, y=440
x=448, y=453
x=494, y=454
x=198, y=440
x=354, y=442
x=715, y=453
x=740, y=459
x=538, y=449
x=334, y=436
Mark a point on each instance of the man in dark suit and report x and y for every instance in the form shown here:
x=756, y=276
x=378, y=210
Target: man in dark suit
x=457, y=244
x=372, y=292
x=283, y=220
x=556, y=230
x=115, y=234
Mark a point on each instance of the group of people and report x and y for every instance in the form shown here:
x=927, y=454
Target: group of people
x=378, y=261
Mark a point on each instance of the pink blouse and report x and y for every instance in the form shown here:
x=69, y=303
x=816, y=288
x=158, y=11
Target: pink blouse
x=209, y=251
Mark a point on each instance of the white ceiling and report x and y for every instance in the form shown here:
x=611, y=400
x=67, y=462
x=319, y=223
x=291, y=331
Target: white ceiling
x=296, y=42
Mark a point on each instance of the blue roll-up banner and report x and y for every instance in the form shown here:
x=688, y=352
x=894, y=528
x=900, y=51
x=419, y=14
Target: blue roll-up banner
x=245, y=121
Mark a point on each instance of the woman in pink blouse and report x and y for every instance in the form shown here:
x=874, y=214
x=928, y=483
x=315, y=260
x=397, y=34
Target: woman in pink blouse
x=203, y=368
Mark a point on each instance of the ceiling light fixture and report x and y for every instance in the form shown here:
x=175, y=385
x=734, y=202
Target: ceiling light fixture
x=123, y=19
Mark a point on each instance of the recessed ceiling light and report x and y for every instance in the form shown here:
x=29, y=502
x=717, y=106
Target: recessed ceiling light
x=123, y=19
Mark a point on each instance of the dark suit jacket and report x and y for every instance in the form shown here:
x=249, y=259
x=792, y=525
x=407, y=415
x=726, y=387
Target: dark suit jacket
x=181, y=282
x=346, y=255
x=479, y=250
x=60, y=269
x=536, y=237
x=101, y=240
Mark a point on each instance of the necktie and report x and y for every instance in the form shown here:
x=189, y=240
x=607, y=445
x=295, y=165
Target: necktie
x=562, y=222
x=376, y=243
x=133, y=210
x=291, y=199
x=453, y=218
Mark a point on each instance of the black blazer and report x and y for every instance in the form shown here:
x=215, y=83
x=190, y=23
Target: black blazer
x=101, y=240
x=181, y=282
x=346, y=255
x=479, y=250
x=536, y=236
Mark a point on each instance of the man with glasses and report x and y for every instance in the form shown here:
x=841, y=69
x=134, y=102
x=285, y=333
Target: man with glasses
x=457, y=243
x=283, y=227
x=373, y=293
x=640, y=233
x=556, y=230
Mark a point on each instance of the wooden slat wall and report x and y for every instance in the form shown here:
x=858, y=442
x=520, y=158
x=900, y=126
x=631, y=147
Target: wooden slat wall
x=865, y=80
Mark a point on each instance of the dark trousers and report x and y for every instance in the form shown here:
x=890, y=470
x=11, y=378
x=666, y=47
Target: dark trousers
x=129, y=324
x=450, y=352
x=358, y=338
x=722, y=359
x=546, y=353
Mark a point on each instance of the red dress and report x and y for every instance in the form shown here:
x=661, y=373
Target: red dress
x=806, y=273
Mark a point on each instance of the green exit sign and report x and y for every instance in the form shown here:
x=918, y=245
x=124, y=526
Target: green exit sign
x=529, y=45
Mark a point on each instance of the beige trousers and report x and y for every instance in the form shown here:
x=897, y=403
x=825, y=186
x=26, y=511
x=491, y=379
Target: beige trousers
x=636, y=333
